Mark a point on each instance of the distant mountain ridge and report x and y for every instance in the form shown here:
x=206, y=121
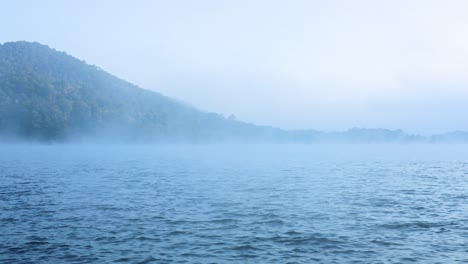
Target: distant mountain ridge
x=47, y=95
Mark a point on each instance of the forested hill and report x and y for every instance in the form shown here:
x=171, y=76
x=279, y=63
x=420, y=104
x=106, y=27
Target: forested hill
x=49, y=95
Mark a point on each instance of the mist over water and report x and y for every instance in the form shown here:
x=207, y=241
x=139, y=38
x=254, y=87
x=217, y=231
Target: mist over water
x=233, y=203
x=233, y=131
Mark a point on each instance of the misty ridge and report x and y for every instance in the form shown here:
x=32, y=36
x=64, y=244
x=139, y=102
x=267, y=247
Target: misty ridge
x=50, y=96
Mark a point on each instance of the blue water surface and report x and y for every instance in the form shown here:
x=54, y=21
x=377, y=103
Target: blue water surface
x=233, y=204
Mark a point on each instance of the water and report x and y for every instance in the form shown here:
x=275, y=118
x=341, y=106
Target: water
x=234, y=204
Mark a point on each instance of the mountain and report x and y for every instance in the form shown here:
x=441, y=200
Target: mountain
x=49, y=95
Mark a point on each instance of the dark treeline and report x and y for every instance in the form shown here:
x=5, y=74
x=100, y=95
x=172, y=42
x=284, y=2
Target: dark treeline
x=47, y=95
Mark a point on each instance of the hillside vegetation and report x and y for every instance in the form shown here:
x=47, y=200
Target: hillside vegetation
x=47, y=95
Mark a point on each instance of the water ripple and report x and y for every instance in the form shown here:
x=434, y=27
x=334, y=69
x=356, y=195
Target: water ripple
x=163, y=206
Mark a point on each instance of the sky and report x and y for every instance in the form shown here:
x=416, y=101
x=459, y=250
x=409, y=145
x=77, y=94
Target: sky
x=298, y=64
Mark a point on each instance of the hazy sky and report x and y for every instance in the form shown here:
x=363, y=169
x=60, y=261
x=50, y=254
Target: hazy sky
x=326, y=65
